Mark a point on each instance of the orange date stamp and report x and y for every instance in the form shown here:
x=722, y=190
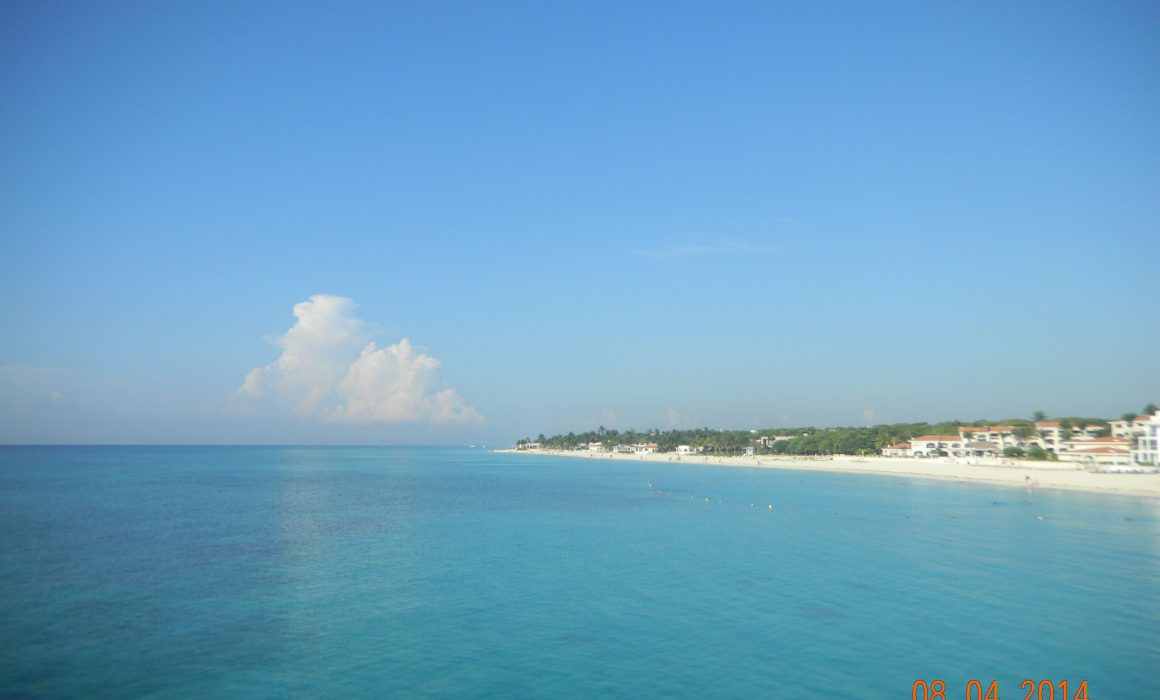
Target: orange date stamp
x=975, y=690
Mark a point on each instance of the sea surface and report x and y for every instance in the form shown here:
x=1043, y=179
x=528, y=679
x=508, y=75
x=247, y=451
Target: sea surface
x=199, y=572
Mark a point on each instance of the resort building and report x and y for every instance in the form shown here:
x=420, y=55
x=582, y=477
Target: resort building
x=935, y=445
x=1147, y=447
x=1088, y=450
x=768, y=440
x=1130, y=428
x=645, y=449
x=1049, y=435
x=596, y=447
x=993, y=440
x=902, y=449
x=998, y=437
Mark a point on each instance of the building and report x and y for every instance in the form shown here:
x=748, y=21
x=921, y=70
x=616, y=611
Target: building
x=1130, y=428
x=1049, y=435
x=902, y=449
x=1089, y=450
x=596, y=447
x=645, y=449
x=1147, y=447
x=980, y=448
x=1086, y=443
x=998, y=437
x=935, y=445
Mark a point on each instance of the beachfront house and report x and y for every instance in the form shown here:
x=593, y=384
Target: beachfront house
x=980, y=448
x=1130, y=428
x=994, y=438
x=1051, y=437
x=596, y=447
x=685, y=450
x=1103, y=454
x=645, y=449
x=1048, y=435
x=1147, y=446
x=1104, y=450
x=935, y=445
x=902, y=449
x=970, y=442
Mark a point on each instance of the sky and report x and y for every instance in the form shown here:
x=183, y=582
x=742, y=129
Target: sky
x=463, y=222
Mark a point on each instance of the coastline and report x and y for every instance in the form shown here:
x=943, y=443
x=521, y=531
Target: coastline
x=1012, y=473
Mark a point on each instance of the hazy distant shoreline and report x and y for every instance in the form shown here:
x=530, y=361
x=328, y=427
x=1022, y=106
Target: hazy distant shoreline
x=1021, y=474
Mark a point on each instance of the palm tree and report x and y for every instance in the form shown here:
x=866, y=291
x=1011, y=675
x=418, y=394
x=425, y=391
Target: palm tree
x=1149, y=409
x=1039, y=416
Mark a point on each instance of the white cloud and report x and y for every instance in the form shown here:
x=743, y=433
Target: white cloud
x=330, y=369
x=390, y=385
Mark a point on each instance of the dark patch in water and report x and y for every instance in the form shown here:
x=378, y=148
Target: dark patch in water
x=822, y=612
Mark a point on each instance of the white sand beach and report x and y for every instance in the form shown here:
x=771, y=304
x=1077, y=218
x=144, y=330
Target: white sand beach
x=1016, y=473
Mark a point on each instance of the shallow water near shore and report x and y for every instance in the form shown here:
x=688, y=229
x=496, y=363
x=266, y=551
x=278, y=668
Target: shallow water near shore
x=426, y=572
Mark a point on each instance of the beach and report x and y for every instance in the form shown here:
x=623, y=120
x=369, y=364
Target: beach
x=1015, y=473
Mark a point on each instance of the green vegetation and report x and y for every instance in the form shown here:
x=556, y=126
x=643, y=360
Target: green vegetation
x=795, y=441
x=1037, y=452
x=817, y=441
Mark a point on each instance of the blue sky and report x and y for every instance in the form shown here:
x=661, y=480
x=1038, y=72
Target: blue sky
x=629, y=214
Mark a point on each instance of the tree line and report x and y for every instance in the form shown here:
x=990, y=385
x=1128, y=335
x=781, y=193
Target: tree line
x=805, y=440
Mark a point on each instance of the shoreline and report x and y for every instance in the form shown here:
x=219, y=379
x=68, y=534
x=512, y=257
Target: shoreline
x=1012, y=473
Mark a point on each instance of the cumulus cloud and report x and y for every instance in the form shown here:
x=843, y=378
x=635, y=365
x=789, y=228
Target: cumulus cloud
x=331, y=369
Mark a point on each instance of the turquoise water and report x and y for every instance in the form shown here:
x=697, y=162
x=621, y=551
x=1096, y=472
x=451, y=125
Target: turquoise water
x=392, y=572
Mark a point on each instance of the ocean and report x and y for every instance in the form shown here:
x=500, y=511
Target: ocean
x=427, y=572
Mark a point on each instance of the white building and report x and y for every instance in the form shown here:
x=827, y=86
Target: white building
x=935, y=445
x=1049, y=435
x=1130, y=428
x=596, y=447
x=645, y=449
x=902, y=449
x=996, y=437
x=1147, y=447
x=1089, y=450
